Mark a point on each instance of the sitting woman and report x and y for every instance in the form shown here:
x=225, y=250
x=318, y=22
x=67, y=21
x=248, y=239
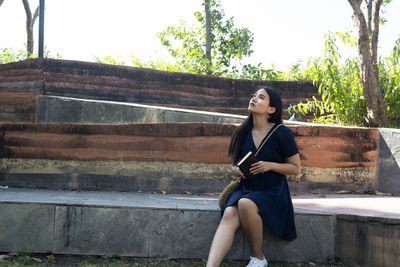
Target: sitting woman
x=263, y=199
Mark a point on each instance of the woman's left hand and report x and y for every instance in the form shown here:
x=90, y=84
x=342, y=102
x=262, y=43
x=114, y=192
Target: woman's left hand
x=261, y=166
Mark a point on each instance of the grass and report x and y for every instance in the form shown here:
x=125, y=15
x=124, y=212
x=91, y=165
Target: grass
x=17, y=260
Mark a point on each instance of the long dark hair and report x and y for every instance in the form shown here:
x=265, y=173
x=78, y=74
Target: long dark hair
x=246, y=126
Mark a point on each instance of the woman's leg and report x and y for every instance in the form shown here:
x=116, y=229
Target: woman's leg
x=252, y=226
x=223, y=237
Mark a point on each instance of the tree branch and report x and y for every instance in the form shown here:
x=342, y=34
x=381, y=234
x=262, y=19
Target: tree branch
x=29, y=28
x=355, y=3
x=208, y=30
x=363, y=37
x=35, y=16
x=27, y=9
x=375, y=30
x=369, y=8
x=1, y=2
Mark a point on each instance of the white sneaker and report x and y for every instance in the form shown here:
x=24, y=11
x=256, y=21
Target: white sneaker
x=254, y=262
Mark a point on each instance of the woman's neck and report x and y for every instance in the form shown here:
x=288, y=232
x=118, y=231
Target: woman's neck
x=260, y=123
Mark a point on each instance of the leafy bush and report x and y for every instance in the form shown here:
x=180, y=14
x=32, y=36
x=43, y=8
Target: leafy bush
x=389, y=77
x=8, y=55
x=342, y=100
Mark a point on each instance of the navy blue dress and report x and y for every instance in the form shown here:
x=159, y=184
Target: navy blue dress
x=270, y=190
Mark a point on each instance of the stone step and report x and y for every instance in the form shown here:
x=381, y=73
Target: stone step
x=173, y=157
x=357, y=229
x=21, y=82
x=141, y=225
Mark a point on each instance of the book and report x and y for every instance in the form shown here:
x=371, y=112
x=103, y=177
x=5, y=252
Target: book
x=245, y=163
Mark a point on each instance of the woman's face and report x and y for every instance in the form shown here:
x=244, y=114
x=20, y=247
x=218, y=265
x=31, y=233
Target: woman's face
x=259, y=103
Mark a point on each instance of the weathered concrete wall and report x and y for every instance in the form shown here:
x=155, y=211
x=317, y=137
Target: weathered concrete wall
x=389, y=161
x=368, y=241
x=172, y=156
x=20, y=82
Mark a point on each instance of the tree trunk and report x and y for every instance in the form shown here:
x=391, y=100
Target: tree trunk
x=208, y=30
x=30, y=21
x=376, y=114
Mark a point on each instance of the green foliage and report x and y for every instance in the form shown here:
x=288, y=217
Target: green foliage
x=339, y=84
x=348, y=38
x=109, y=60
x=228, y=43
x=382, y=19
x=257, y=72
x=9, y=55
x=342, y=101
x=389, y=77
x=156, y=64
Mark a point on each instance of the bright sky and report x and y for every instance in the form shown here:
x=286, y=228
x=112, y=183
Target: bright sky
x=285, y=31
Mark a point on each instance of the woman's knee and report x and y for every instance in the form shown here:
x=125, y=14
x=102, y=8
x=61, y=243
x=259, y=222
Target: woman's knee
x=231, y=215
x=247, y=205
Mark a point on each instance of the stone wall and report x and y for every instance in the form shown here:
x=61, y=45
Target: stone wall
x=20, y=82
x=172, y=157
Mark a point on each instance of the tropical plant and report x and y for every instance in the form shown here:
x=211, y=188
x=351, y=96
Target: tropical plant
x=228, y=44
x=389, y=77
x=340, y=88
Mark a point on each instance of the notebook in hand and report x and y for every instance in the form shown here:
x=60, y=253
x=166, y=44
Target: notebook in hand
x=245, y=164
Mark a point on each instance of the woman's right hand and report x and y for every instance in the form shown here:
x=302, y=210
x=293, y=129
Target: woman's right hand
x=236, y=172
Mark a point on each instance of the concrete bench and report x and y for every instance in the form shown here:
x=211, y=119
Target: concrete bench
x=357, y=229
x=141, y=225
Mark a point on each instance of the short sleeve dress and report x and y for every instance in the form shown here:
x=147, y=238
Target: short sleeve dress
x=270, y=190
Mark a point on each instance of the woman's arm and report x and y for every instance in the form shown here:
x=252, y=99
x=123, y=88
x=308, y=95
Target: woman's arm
x=293, y=166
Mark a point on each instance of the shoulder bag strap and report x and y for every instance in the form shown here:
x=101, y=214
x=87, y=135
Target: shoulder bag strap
x=266, y=139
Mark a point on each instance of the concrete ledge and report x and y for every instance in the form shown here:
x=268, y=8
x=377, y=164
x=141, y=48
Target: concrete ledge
x=141, y=225
x=73, y=110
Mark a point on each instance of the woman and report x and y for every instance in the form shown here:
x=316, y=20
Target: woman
x=265, y=198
